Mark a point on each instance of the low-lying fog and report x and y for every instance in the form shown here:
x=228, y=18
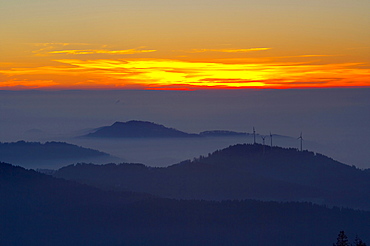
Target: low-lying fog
x=164, y=152
x=334, y=122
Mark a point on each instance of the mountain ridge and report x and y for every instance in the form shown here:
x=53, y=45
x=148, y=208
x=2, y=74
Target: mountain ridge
x=48, y=154
x=243, y=171
x=147, y=129
x=37, y=209
x=137, y=129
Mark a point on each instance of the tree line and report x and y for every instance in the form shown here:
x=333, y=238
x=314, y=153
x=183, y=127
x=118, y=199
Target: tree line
x=342, y=240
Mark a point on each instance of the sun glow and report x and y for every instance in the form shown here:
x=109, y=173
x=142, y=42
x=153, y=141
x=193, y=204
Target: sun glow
x=162, y=73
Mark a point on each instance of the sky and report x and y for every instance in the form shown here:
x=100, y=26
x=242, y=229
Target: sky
x=184, y=45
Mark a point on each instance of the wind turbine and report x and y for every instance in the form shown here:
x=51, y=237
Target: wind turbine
x=254, y=136
x=270, y=139
x=263, y=141
x=301, y=138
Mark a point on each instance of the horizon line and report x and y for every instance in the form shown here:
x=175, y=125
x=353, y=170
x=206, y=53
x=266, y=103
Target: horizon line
x=254, y=88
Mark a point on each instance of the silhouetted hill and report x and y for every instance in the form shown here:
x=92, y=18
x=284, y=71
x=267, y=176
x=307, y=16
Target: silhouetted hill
x=145, y=129
x=239, y=172
x=36, y=209
x=35, y=154
x=138, y=129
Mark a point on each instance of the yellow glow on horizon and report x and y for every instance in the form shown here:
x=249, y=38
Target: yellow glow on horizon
x=160, y=73
x=170, y=72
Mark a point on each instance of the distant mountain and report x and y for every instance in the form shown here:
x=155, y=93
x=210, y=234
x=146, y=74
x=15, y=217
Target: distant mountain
x=138, y=129
x=49, y=154
x=36, y=209
x=248, y=171
x=145, y=129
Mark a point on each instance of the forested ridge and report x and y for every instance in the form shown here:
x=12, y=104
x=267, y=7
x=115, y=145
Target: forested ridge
x=244, y=171
x=37, y=209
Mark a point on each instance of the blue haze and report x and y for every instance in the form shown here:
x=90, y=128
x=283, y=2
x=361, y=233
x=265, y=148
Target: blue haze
x=334, y=122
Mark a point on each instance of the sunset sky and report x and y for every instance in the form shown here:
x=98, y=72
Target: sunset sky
x=178, y=44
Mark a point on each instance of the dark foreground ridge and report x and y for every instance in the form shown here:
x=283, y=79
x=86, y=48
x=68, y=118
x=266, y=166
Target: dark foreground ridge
x=36, y=209
x=245, y=171
x=28, y=154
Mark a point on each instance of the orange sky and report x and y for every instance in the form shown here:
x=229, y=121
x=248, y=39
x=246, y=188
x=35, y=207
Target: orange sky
x=184, y=44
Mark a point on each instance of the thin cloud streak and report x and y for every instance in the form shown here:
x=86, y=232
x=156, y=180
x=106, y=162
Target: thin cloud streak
x=45, y=47
x=109, y=52
x=228, y=50
x=48, y=49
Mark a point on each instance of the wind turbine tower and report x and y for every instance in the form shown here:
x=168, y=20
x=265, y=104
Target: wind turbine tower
x=263, y=145
x=254, y=136
x=270, y=139
x=301, y=138
x=263, y=139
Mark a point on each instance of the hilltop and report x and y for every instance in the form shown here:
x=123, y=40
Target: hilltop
x=138, y=129
x=244, y=171
x=49, y=154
